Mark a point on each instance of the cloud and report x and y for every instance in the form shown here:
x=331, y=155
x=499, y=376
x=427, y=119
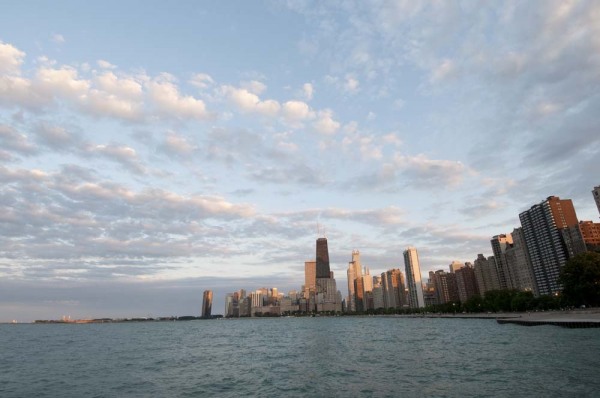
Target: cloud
x=11, y=59
x=123, y=155
x=254, y=86
x=12, y=140
x=56, y=137
x=249, y=102
x=296, y=111
x=351, y=84
x=105, y=64
x=308, y=91
x=58, y=38
x=325, y=124
x=167, y=99
x=177, y=144
x=201, y=80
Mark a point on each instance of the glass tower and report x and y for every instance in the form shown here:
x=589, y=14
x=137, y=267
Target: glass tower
x=322, y=259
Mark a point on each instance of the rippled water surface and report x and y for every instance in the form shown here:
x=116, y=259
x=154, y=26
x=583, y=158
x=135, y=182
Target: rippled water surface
x=347, y=356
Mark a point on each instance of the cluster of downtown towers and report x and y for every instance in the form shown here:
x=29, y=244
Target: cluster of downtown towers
x=528, y=259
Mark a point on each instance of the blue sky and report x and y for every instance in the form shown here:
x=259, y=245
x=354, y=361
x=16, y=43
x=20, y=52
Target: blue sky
x=150, y=151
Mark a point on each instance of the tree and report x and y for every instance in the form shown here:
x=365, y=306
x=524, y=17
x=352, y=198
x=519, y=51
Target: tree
x=580, y=278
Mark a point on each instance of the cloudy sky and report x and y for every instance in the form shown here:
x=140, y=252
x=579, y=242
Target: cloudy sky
x=151, y=151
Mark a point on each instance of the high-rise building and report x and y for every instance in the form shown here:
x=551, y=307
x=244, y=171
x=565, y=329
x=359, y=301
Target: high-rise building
x=596, y=193
x=354, y=272
x=455, y=266
x=310, y=277
x=466, y=283
x=445, y=286
x=499, y=245
x=322, y=257
x=486, y=274
x=591, y=234
x=394, y=295
x=552, y=236
x=518, y=262
x=413, y=278
x=207, y=298
x=327, y=298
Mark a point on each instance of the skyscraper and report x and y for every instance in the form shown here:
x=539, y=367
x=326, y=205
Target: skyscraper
x=310, y=277
x=500, y=243
x=322, y=257
x=354, y=272
x=552, y=236
x=413, y=278
x=207, y=303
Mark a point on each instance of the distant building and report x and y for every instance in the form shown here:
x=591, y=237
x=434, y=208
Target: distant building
x=326, y=297
x=310, y=278
x=466, y=283
x=518, y=262
x=354, y=272
x=207, y=298
x=445, y=287
x=596, y=193
x=455, y=265
x=552, y=236
x=394, y=289
x=486, y=274
x=499, y=245
x=413, y=278
x=322, y=259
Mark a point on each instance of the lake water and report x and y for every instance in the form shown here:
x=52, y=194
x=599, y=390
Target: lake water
x=312, y=357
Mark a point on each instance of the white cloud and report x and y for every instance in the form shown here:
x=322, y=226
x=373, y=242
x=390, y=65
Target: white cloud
x=201, y=80
x=308, y=91
x=249, y=102
x=105, y=64
x=296, y=111
x=166, y=97
x=11, y=59
x=124, y=155
x=178, y=144
x=325, y=124
x=254, y=86
x=62, y=82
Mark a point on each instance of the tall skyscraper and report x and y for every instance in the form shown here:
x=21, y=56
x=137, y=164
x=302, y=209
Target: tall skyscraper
x=322, y=257
x=327, y=298
x=518, y=262
x=596, y=193
x=500, y=243
x=552, y=236
x=207, y=298
x=310, y=277
x=354, y=272
x=413, y=278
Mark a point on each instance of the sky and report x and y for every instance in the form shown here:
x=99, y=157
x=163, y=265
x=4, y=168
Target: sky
x=150, y=151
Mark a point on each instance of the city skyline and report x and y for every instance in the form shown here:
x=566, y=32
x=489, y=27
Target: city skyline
x=149, y=152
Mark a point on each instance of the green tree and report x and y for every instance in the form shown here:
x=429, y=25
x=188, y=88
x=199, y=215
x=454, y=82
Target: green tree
x=580, y=278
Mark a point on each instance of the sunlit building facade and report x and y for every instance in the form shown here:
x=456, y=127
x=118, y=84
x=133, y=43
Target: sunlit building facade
x=207, y=298
x=413, y=278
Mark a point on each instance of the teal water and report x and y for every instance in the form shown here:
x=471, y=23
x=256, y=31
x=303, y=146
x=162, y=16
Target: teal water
x=312, y=357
